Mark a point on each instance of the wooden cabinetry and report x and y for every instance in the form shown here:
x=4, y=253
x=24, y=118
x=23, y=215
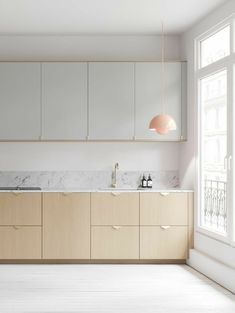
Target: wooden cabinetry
x=119, y=240
x=114, y=208
x=20, y=242
x=164, y=208
x=115, y=242
x=66, y=225
x=64, y=100
x=20, y=101
x=165, y=225
x=163, y=242
x=20, y=238
x=18, y=208
x=111, y=100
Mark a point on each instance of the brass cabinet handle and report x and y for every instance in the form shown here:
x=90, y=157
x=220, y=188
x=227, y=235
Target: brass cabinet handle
x=165, y=227
x=115, y=193
x=66, y=193
x=164, y=194
x=16, y=227
x=16, y=193
x=116, y=227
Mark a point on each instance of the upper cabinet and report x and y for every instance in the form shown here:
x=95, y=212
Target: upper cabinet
x=148, y=92
x=111, y=100
x=64, y=101
x=90, y=100
x=20, y=101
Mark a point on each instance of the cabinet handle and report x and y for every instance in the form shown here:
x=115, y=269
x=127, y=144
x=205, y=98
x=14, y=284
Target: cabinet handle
x=115, y=193
x=165, y=227
x=16, y=193
x=65, y=194
x=164, y=194
x=116, y=227
x=16, y=227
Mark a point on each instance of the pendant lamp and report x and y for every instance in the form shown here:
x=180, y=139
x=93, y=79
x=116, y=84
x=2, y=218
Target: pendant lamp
x=162, y=123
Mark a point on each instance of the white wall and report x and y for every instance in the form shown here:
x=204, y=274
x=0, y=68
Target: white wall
x=210, y=247
x=87, y=48
x=88, y=156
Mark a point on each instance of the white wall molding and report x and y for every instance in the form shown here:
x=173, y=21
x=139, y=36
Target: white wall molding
x=213, y=269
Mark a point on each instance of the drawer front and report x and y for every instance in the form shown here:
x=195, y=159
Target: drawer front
x=22, y=242
x=66, y=226
x=164, y=209
x=20, y=208
x=163, y=242
x=114, y=242
x=115, y=208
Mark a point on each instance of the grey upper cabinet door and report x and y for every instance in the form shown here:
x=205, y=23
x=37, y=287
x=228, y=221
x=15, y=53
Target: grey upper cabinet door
x=19, y=101
x=148, y=98
x=111, y=101
x=64, y=101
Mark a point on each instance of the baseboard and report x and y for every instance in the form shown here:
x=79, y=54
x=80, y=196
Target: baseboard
x=75, y=261
x=213, y=269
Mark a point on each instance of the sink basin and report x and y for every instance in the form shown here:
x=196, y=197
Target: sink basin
x=19, y=188
x=118, y=189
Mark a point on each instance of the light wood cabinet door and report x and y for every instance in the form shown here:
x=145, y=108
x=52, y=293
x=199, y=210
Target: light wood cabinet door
x=164, y=208
x=114, y=208
x=114, y=242
x=66, y=226
x=148, y=98
x=111, y=100
x=20, y=105
x=20, y=242
x=19, y=208
x=64, y=100
x=163, y=242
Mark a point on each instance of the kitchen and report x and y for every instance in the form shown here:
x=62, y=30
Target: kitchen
x=116, y=145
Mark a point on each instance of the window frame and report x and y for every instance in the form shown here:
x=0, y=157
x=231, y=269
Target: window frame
x=227, y=63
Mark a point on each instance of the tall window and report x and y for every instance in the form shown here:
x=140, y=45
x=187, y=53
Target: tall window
x=215, y=64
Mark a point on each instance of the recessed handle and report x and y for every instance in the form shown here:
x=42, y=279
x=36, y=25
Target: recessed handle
x=165, y=227
x=164, y=194
x=16, y=227
x=16, y=193
x=115, y=193
x=65, y=194
x=116, y=227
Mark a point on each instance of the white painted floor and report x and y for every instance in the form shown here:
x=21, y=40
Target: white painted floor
x=110, y=288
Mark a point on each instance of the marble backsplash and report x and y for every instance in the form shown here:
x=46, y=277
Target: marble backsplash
x=85, y=179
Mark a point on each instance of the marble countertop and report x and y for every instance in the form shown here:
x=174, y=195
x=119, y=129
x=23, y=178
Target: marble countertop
x=113, y=190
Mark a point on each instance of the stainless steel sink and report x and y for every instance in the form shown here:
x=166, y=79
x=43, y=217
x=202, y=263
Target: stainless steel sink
x=118, y=189
x=19, y=188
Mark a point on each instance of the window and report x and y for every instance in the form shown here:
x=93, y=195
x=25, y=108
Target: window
x=213, y=141
x=215, y=133
x=215, y=47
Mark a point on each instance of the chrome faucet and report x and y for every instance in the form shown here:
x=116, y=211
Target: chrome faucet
x=114, y=176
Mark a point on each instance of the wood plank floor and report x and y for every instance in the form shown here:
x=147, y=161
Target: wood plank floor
x=110, y=288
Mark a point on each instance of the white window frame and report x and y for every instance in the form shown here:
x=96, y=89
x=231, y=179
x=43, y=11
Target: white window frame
x=227, y=63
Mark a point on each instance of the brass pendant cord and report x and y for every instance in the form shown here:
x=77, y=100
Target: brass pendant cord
x=163, y=72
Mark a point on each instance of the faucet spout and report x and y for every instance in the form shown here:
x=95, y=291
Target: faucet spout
x=114, y=183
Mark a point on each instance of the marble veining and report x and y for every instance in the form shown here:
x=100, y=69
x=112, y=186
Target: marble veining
x=86, y=179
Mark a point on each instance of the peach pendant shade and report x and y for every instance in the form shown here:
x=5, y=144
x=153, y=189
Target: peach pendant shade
x=162, y=124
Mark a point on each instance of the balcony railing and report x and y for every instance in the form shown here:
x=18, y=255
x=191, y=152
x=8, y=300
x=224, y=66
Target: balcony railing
x=215, y=205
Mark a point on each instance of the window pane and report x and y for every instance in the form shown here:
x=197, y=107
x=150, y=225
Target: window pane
x=215, y=47
x=213, y=151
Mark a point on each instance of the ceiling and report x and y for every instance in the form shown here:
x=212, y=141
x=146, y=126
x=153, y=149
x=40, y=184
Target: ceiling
x=101, y=17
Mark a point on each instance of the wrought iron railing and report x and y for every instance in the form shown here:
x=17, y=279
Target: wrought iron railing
x=215, y=205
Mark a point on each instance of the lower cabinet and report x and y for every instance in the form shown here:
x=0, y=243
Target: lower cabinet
x=163, y=242
x=66, y=226
x=20, y=242
x=115, y=242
